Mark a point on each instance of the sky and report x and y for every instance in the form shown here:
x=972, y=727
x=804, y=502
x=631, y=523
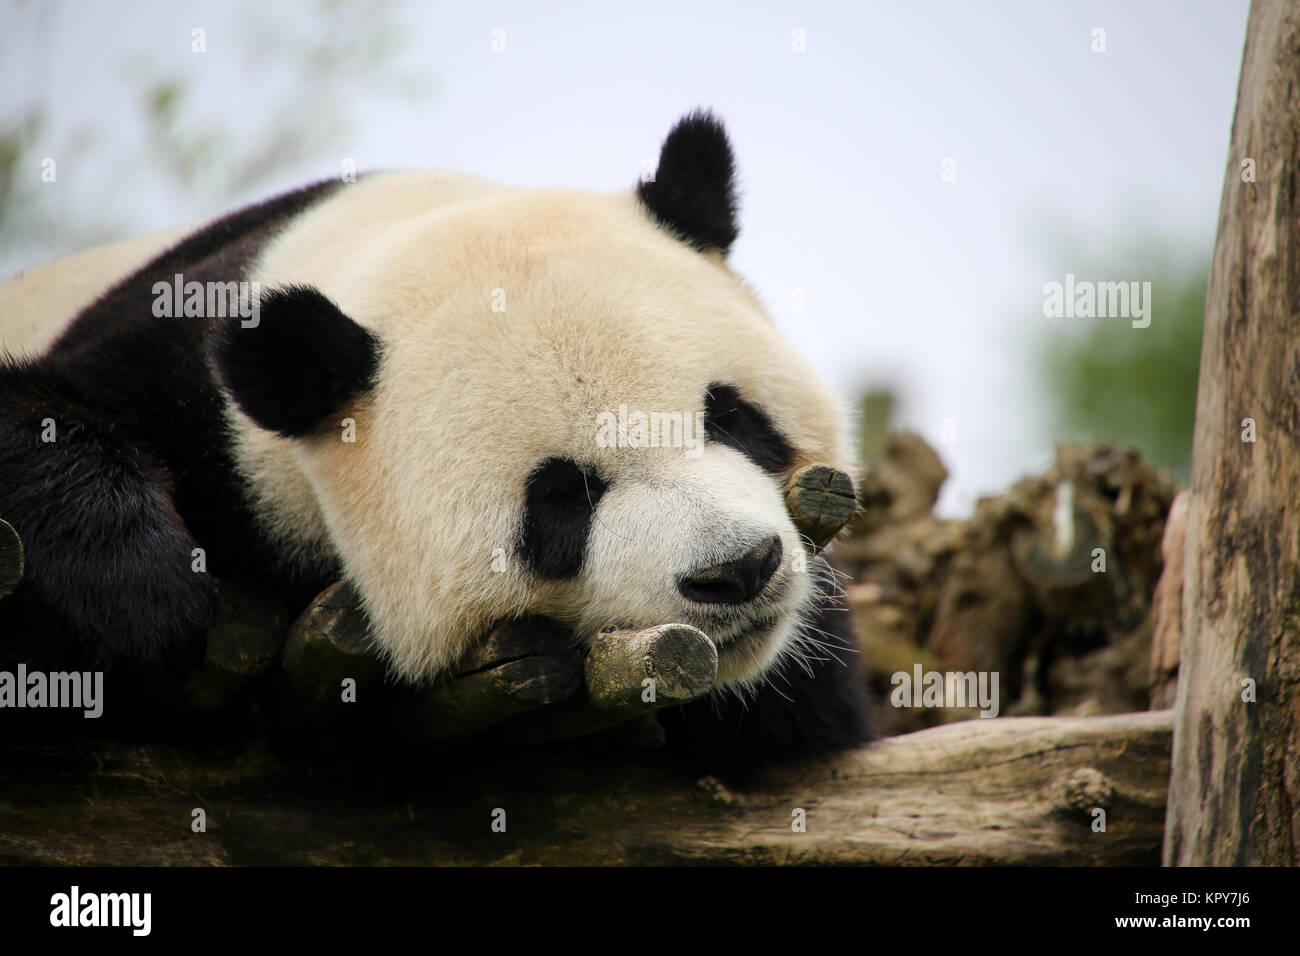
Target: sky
x=912, y=173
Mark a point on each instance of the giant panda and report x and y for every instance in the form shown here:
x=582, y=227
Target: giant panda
x=414, y=407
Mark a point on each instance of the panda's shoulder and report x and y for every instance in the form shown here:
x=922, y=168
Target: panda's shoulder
x=221, y=250
x=37, y=303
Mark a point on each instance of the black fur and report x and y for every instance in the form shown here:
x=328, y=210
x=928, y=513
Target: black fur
x=141, y=471
x=222, y=251
x=559, y=500
x=734, y=422
x=694, y=189
x=797, y=712
x=302, y=361
x=108, y=574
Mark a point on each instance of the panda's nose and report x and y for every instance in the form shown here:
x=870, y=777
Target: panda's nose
x=734, y=582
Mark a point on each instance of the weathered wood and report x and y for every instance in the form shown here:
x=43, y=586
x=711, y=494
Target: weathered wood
x=677, y=660
x=1167, y=608
x=1048, y=584
x=899, y=487
x=534, y=672
x=627, y=674
x=820, y=501
x=1005, y=791
x=242, y=645
x=521, y=666
x=1236, y=763
x=329, y=643
x=11, y=559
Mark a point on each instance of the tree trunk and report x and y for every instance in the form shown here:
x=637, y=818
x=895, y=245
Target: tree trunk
x=1236, y=763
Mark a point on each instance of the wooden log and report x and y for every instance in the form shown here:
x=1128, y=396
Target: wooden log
x=521, y=666
x=901, y=486
x=1010, y=791
x=328, y=644
x=1056, y=556
x=820, y=501
x=1236, y=766
x=627, y=674
x=677, y=661
x=11, y=559
x=243, y=644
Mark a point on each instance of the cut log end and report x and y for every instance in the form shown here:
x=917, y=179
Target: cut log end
x=821, y=501
x=680, y=662
x=628, y=674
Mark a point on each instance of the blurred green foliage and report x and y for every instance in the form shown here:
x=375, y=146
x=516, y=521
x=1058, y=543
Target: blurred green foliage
x=1109, y=381
x=315, y=67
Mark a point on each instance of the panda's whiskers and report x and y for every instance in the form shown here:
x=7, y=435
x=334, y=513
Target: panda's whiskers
x=827, y=571
x=827, y=647
x=808, y=644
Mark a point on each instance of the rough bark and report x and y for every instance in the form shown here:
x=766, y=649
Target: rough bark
x=1006, y=791
x=1236, y=765
x=820, y=501
x=628, y=674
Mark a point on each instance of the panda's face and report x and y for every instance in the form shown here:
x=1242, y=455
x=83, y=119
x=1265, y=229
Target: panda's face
x=703, y=541
x=694, y=532
x=572, y=413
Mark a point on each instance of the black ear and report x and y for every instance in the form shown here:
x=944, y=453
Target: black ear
x=694, y=189
x=299, y=364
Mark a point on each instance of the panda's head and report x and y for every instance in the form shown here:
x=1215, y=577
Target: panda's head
x=488, y=402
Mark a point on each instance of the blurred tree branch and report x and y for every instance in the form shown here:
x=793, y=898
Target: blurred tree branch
x=312, y=76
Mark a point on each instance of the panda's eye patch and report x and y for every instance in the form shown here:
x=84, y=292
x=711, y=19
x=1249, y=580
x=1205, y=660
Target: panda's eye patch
x=560, y=498
x=730, y=420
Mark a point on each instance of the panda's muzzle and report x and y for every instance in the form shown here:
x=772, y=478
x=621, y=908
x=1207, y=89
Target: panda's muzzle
x=738, y=581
